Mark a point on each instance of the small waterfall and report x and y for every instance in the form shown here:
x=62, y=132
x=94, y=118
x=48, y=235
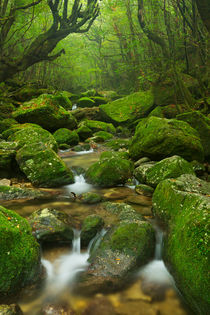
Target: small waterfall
x=80, y=186
x=74, y=107
x=85, y=152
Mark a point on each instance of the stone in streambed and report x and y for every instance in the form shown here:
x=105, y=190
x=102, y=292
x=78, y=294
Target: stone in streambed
x=20, y=253
x=183, y=205
x=90, y=227
x=144, y=190
x=12, y=309
x=11, y=192
x=90, y=198
x=43, y=167
x=158, y=138
x=50, y=225
x=64, y=135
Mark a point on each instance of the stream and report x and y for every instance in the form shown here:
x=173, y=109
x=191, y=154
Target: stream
x=153, y=291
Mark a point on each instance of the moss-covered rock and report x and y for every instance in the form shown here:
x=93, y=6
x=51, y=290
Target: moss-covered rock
x=16, y=128
x=103, y=135
x=11, y=192
x=81, y=147
x=46, y=112
x=64, y=135
x=42, y=166
x=157, y=112
x=12, y=309
x=8, y=164
x=26, y=93
x=124, y=110
x=90, y=227
x=123, y=249
x=110, y=95
x=99, y=100
x=89, y=93
x=158, y=138
x=141, y=170
x=110, y=154
x=20, y=253
x=6, y=108
x=90, y=197
x=85, y=102
x=63, y=100
x=50, y=225
x=183, y=205
x=109, y=172
x=6, y=124
x=84, y=132
x=144, y=190
x=92, y=113
x=99, y=126
x=30, y=135
x=171, y=167
x=117, y=144
x=202, y=124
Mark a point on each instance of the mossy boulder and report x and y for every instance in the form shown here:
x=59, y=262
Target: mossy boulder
x=117, y=144
x=81, y=147
x=183, y=205
x=111, y=154
x=103, y=135
x=20, y=253
x=6, y=108
x=110, y=95
x=90, y=197
x=42, y=166
x=84, y=132
x=31, y=135
x=85, y=113
x=63, y=100
x=46, y=112
x=10, y=131
x=11, y=193
x=98, y=126
x=144, y=190
x=202, y=124
x=6, y=124
x=90, y=227
x=66, y=136
x=89, y=93
x=85, y=102
x=171, y=167
x=8, y=164
x=123, y=249
x=109, y=172
x=26, y=93
x=158, y=138
x=99, y=100
x=124, y=110
x=141, y=170
x=51, y=225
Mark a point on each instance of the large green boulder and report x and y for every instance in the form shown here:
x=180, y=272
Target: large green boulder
x=6, y=124
x=51, y=225
x=202, y=124
x=99, y=100
x=124, y=110
x=91, y=225
x=20, y=253
x=85, y=102
x=84, y=132
x=33, y=135
x=103, y=135
x=85, y=113
x=42, y=166
x=12, y=192
x=6, y=108
x=95, y=126
x=11, y=130
x=171, y=167
x=124, y=248
x=64, y=135
x=26, y=93
x=183, y=205
x=46, y=112
x=109, y=172
x=158, y=138
x=63, y=100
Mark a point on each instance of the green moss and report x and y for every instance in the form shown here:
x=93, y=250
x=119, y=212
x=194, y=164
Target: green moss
x=64, y=135
x=90, y=227
x=84, y=132
x=6, y=124
x=46, y=112
x=125, y=109
x=85, y=102
x=62, y=98
x=99, y=100
x=10, y=193
x=110, y=154
x=33, y=135
x=96, y=126
x=117, y=144
x=104, y=135
x=20, y=253
x=184, y=208
x=42, y=166
x=158, y=138
x=16, y=128
x=90, y=198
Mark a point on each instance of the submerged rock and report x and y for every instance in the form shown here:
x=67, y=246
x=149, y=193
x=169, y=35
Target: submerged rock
x=43, y=167
x=11, y=192
x=158, y=138
x=90, y=198
x=46, y=112
x=183, y=205
x=20, y=253
x=50, y=225
x=90, y=227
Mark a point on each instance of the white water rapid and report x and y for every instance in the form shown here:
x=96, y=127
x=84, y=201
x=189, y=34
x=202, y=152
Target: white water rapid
x=155, y=272
x=80, y=186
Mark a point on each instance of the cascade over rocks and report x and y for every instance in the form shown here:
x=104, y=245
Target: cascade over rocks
x=158, y=138
x=51, y=225
x=46, y=112
x=42, y=166
x=183, y=204
x=20, y=253
x=125, y=247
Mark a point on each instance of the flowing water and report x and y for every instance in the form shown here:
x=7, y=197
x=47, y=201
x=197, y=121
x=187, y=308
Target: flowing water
x=153, y=291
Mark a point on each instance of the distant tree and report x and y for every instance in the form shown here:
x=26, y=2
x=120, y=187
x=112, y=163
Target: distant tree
x=65, y=20
x=204, y=10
